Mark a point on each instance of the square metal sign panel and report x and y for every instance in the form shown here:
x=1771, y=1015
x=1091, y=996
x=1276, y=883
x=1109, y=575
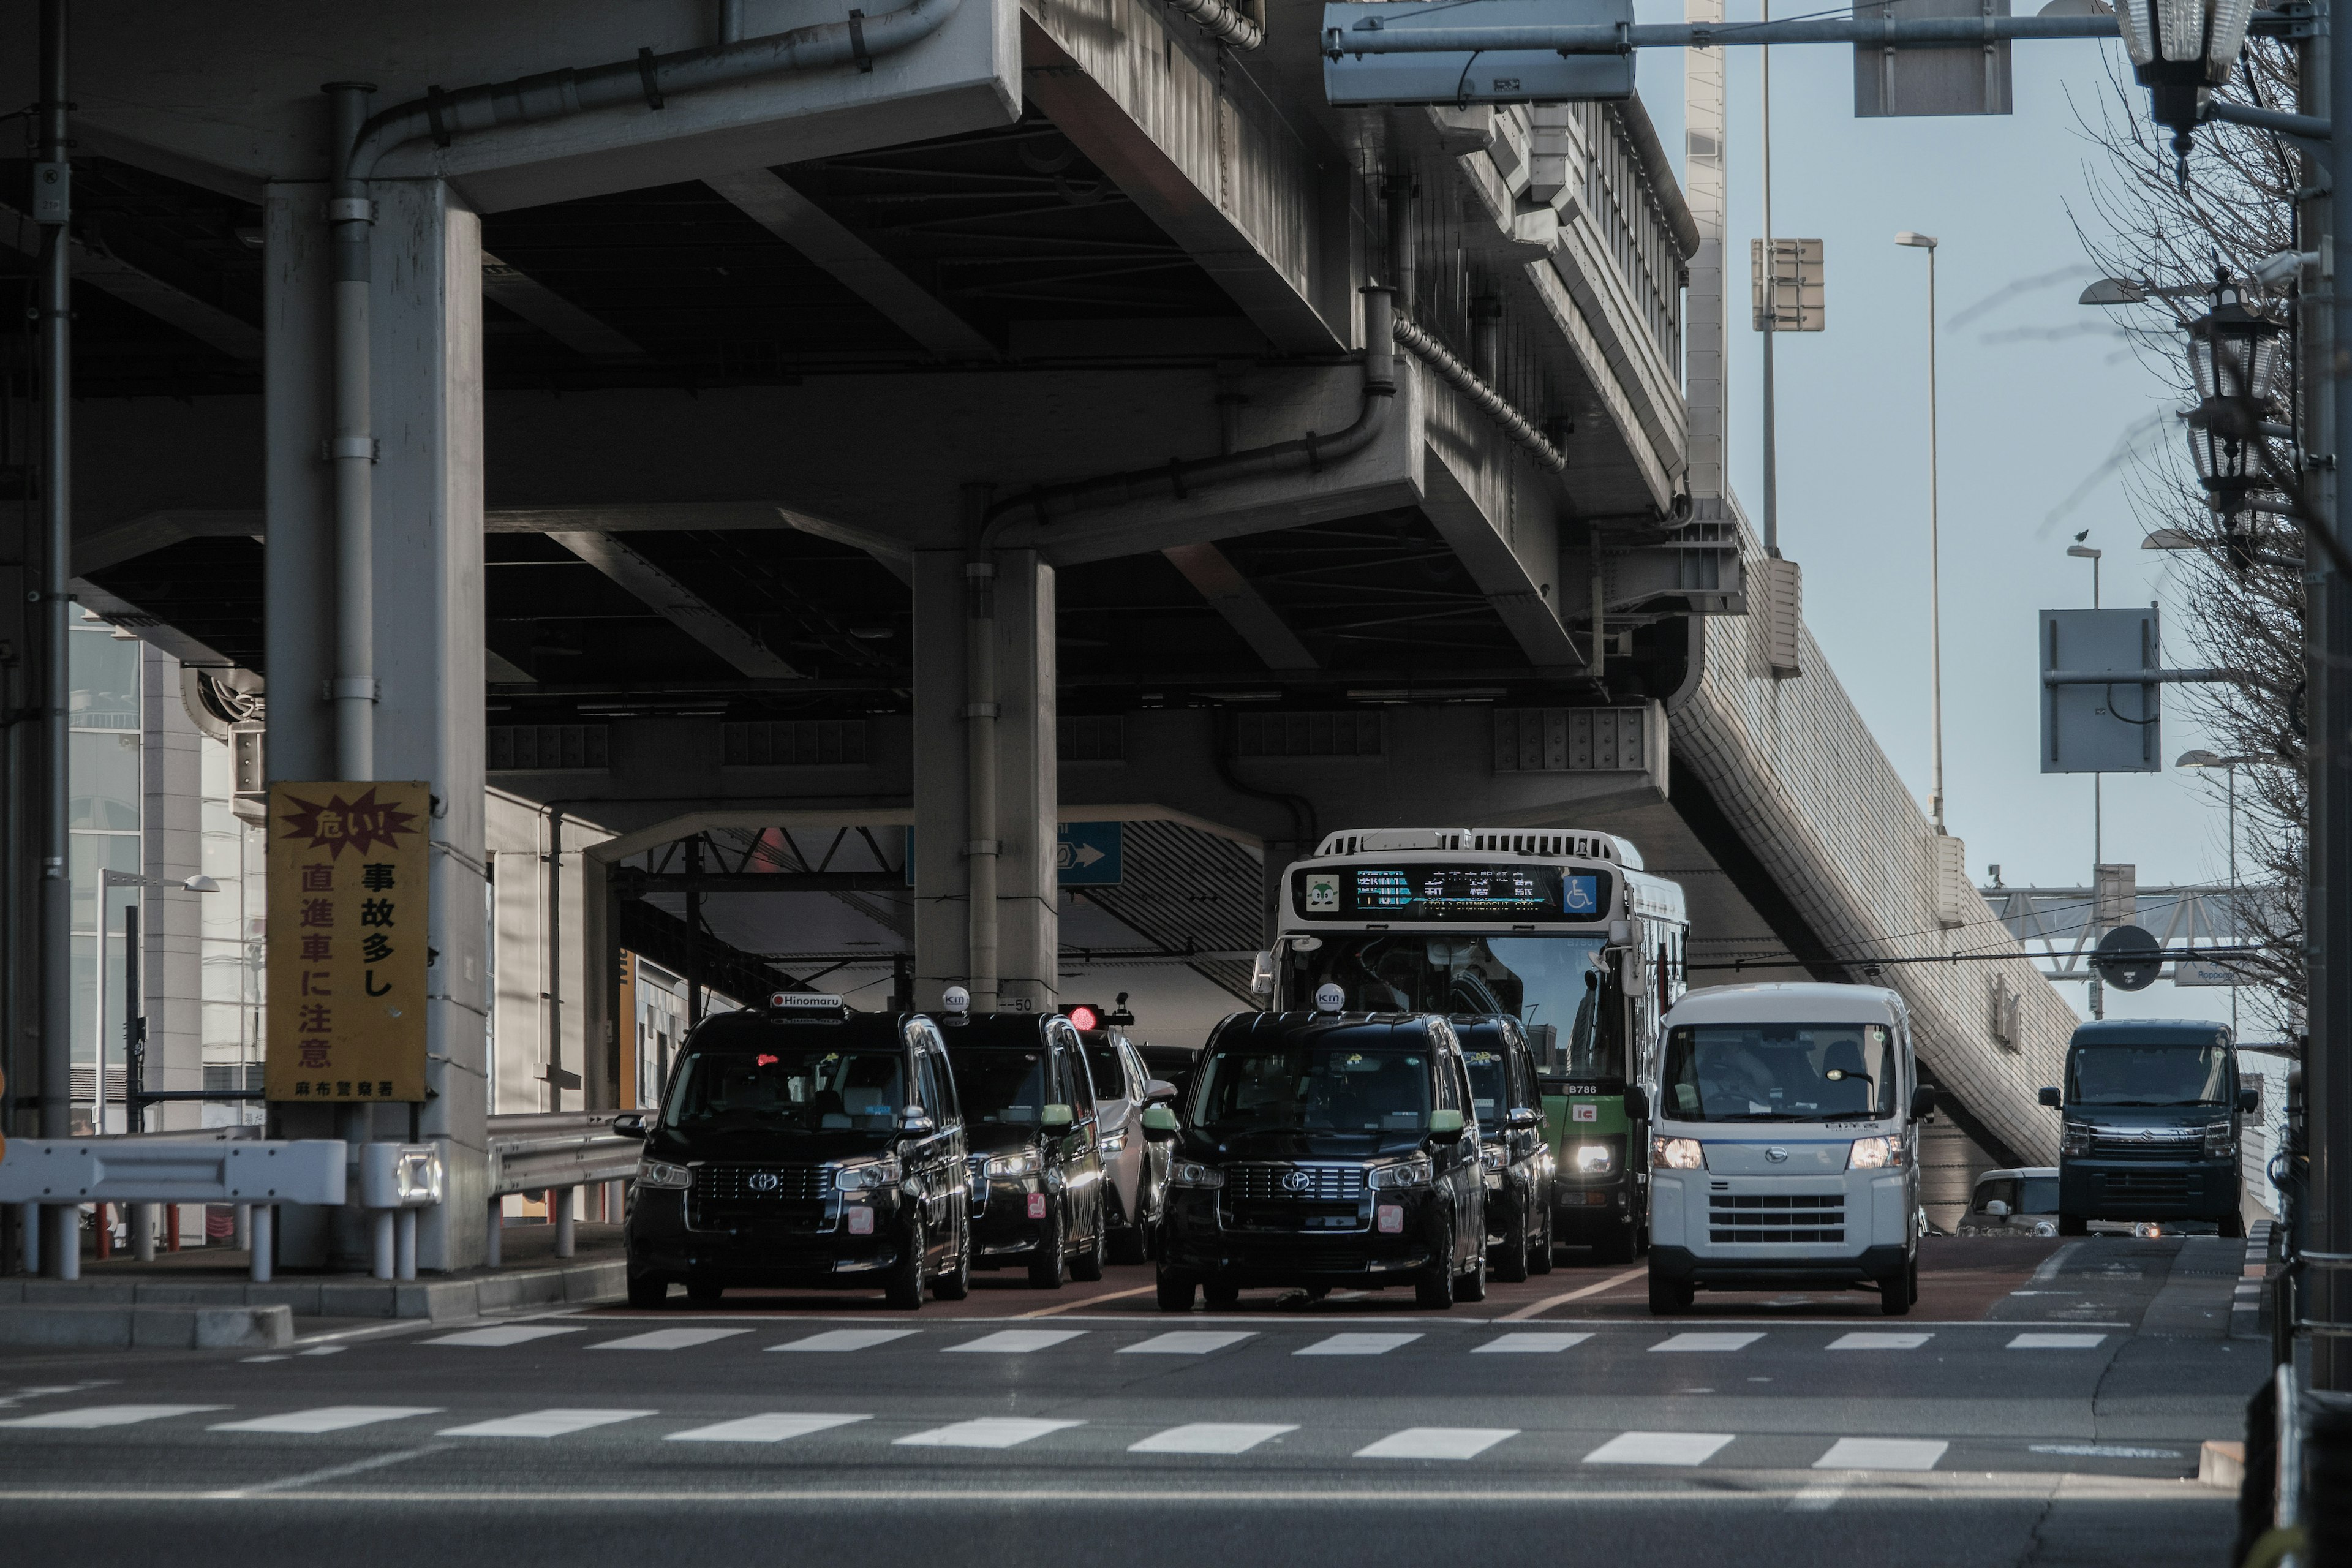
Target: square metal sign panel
x=2101, y=727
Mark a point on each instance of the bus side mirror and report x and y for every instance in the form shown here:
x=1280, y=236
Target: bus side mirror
x=2051, y=1098
x=1637, y=1102
x=2250, y=1098
x=1262, y=975
x=1923, y=1101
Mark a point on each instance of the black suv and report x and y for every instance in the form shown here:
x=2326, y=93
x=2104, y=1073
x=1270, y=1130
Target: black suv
x=803, y=1145
x=1518, y=1160
x=1036, y=1178
x=2152, y=1113
x=1320, y=1150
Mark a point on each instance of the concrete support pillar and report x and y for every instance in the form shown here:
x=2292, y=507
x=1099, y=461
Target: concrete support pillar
x=1028, y=786
x=427, y=555
x=171, y=923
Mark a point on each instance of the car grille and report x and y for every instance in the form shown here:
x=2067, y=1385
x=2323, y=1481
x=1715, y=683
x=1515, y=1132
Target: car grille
x=2152, y=1184
x=1736, y=1217
x=1323, y=1183
x=2166, y=1144
x=762, y=1183
x=979, y=1183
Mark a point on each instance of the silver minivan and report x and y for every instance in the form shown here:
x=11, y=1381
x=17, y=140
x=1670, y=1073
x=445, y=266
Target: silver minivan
x=1783, y=1143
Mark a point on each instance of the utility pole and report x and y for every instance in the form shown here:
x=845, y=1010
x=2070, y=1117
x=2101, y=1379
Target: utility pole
x=1771, y=322
x=2327, y=1077
x=53, y=211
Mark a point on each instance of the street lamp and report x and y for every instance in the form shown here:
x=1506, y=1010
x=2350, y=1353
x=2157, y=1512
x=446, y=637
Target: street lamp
x=133, y=1053
x=2179, y=51
x=2203, y=758
x=2233, y=358
x=1926, y=242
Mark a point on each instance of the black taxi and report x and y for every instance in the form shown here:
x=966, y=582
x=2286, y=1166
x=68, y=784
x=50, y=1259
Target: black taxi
x=1321, y=1150
x=803, y=1144
x=1515, y=1156
x=1036, y=1176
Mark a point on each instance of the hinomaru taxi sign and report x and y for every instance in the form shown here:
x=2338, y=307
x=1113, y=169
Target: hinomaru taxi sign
x=348, y=865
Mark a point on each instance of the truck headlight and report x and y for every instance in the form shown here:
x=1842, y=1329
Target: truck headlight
x=662, y=1174
x=1024, y=1164
x=1592, y=1159
x=1873, y=1153
x=1677, y=1153
x=2076, y=1139
x=867, y=1176
x=1412, y=1172
x=1193, y=1173
x=2219, y=1142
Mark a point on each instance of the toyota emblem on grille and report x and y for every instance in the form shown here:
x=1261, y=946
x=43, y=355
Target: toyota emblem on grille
x=1776, y=1154
x=765, y=1182
x=1295, y=1181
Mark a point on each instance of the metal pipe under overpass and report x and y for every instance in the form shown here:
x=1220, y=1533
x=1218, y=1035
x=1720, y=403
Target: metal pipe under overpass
x=1370, y=35
x=52, y=208
x=2327, y=621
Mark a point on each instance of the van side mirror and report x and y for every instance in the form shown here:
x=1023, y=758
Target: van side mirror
x=1158, y=1123
x=1159, y=1092
x=1923, y=1101
x=1445, y=1126
x=1522, y=1116
x=1055, y=1116
x=630, y=1124
x=1637, y=1102
x=2051, y=1098
x=1997, y=1208
x=2250, y=1098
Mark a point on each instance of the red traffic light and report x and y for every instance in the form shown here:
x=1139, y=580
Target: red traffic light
x=1084, y=1017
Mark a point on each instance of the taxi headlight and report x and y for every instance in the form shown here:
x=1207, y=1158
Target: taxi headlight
x=1193, y=1173
x=1491, y=1156
x=661, y=1174
x=1412, y=1172
x=867, y=1176
x=1113, y=1142
x=1873, y=1154
x=1592, y=1159
x=1677, y=1153
x=1024, y=1164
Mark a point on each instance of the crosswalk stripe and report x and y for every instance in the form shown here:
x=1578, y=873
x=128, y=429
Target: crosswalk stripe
x=772, y=1428
x=1209, y=1437
x=1882, y=1454
x=1879, y=1341
x=1436, y=1443
x=1357, y=1344
x=1018, y=1341
x=544, y=1423
x=92, y=1416
x=668, y=1340
x=844, y=1340
x=2056, y=1342
x=1529, y=1345
x=1186, y=1341
x=1658, y=1448
x=507, y=1334
x=1706, y=1342
x=988, y=1432
x=329, y=1418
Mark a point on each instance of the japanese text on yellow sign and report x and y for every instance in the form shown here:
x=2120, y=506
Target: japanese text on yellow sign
x=348, y=865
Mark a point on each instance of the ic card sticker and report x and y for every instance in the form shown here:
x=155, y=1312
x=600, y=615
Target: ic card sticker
x=1584, y=1113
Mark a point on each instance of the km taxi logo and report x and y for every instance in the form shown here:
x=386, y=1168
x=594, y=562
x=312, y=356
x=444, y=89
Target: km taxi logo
x=339, y=825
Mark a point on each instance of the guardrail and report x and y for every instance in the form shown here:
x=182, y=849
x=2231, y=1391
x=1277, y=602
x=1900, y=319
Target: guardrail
x=67, y=1173
x=557, y=1153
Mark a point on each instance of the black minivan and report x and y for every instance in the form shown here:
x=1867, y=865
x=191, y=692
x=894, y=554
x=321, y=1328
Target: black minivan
x=1036, y=1170
x=1518, y=1160
x=1322, y=1150
x=2152, y=1113
x=803, y=1145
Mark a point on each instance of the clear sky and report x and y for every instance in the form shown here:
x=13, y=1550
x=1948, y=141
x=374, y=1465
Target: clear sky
x=2035, y=394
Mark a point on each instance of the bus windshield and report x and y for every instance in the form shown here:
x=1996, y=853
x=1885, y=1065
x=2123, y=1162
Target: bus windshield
x=1777, y=1072
x=1559, y=987
x=2167, y=1074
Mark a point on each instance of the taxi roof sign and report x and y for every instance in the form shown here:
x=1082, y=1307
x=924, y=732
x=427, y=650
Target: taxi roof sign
x=806, y=1002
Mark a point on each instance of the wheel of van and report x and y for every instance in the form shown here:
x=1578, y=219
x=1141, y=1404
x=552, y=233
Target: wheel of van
x=1895, y=1295
x=1175, y=1290
x=1048, y=1267
x=1433, y=1287
x=704, y=1292
x=2233, y=1223
x=1470, y=1284
x=902, y=1288
x=647, y=1290
x=1220, y=1296
x=1911, y=1275
x=2072, y=1225
x=1668, y=1296
x=1087, y=1265
x=1539, y=1256
x=954, y=1283
x=1126, y=1244
x=1511, y=1267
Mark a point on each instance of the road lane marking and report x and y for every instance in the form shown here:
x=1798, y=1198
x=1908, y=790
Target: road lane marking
x=507, y=1334
x=1658, y=1448
x=334, y=1472
x=93, y=1415
x=2103, y=1451
x=668, y=1340
x=2056, y=1342
x=1079, y=1306
x=1209, y=1437
x=1436, y=1443
x=1188, y=1342
x=988, y=1432
x=558, y=1422
x=772, y=1428
x=1017, y=1342
x=329, y=1418
x=1879, y=1341
x=1706, y=1342
x=1357, y=1344
x=1882, y=1454
x=1549, y=1302
x=1529, y=1345
x=1816, y=1499
x=324, y=1350
x=846, y=1340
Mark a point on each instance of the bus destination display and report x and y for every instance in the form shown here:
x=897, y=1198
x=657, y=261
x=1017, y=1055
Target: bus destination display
x=1488, y=895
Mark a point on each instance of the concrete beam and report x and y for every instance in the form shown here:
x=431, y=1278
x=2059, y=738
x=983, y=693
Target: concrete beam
x=554, y=314
x=117, y=611
x=1233, y=597
x=677, y=604
x=206, y=322
x=763, y=196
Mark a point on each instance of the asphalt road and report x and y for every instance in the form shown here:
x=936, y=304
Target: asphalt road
x=2045, y=1405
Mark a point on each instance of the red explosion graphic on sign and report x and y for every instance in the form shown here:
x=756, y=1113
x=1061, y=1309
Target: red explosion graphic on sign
x=340, y=825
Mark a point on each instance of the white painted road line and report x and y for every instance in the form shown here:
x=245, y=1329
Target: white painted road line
x=544, y=1423
x=846, y=1340
x=1815, y=1500
x=989, y=1432
x=1658, y=1448
x=1018, y=1341
x=1186, y=1341
x=507, y=1334
x=1880, y=1342
x=1357, y=1344
x=1882, y=1454
x=1208, y=1437
x=1436, y=1443
x=329, y=1418
x=773, y=1427
x=91, y=1415
x=2056, y=1342
x=668, y=1340
x=1538, y=1309
x=1708, y=1343
x=1529, y=1345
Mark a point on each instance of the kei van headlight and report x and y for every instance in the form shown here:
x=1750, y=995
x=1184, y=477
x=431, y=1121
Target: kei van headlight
x=868, y=1176
x=1592, y=1159
x=2076, y=1139
x=1024, y=1164
x=1677, y=1153
x=1412, y=1172
x=1193, y=1173
x=660, y=1173
x=1873, y=1153
x=2217, y=1141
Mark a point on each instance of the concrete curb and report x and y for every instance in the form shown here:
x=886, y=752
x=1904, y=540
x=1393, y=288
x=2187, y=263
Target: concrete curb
x=101, y=1326
x=2246, y=1298
x=436, y=1300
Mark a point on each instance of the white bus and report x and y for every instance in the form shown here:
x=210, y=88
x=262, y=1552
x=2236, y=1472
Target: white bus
x=1561, y=929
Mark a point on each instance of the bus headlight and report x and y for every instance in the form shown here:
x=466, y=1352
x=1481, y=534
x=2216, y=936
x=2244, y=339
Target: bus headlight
x=1592, y=1159
x=1677, y=1153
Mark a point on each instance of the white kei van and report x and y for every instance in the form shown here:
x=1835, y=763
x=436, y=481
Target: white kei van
x=1783, y=1139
